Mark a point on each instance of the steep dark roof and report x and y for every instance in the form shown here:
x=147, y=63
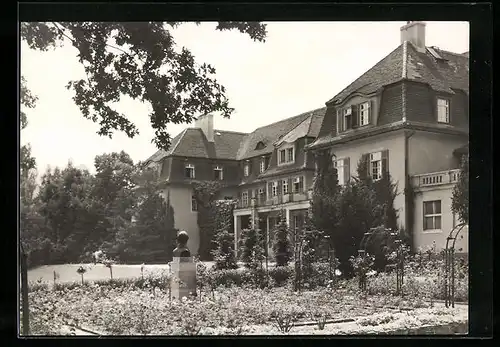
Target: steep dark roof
x=269, y=134
x=191, y=142
x=405, y=62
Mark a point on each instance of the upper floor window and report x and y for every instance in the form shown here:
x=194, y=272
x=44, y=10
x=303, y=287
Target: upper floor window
x=286, y=156
x=262, y=165
x=432, y=215
x=218, y=173
x=376, y=165
x=274, y=188
x=354, y=116
x=244, y=198
x=298, y=184
x=246, y=169
x=443, y=110
x=364, y=113
x=342, y=170
x=347, y=119
x=194, y=204
x=284, y=184
x=189, y=171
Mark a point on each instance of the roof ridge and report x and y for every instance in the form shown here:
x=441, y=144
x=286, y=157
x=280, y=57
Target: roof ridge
x=231, y=131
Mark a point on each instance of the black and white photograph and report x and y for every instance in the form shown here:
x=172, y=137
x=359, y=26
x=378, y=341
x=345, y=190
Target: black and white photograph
x=225, y=178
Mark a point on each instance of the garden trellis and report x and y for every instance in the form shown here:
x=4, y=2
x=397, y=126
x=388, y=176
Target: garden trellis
x=449, y=265
x=394, y=239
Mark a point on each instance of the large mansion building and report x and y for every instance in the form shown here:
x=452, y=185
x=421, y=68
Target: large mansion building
x=409, y=114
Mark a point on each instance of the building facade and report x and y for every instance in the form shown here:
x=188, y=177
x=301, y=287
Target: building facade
x=407, y=115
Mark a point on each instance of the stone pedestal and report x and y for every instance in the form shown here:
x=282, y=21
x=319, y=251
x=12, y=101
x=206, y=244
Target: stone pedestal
x=184, y=277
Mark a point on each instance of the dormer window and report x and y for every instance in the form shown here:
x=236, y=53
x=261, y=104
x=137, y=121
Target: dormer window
x=286, y=155
x=443, y=111
x=260, y=145
x=246, y=169
x=354, y=116
x=189, y=171
x=218, y=173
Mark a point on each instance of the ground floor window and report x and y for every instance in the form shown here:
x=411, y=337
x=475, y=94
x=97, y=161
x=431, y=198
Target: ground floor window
x=432, y=215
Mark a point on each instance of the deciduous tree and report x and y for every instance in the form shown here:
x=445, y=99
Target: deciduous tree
x=142, y=61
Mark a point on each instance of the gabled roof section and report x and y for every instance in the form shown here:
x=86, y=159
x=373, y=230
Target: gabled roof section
x=442, y=70
x=269, y=134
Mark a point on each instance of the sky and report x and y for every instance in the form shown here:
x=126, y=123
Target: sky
x=299, y=67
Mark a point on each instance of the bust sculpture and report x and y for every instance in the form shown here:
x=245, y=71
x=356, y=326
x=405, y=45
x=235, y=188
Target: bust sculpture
x=181, y=250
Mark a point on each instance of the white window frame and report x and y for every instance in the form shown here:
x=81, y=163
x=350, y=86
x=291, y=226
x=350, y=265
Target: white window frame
x=340, y=165
x=296, y=181
x=274, y=188
x=346, y=112
x=244, y=198
x=443, y=106
x=287, y=150
x=376, y=157
x=433, y=215
x=364, y=113
x=192, y=170
x=262, y=165
x=194, y=204
x=284, y=185
x=221, y=172
x=246, y=169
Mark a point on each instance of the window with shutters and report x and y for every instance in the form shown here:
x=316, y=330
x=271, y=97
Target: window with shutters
x=298, y=184
x=286, y=155
x=432, y=215
x=244, y=198
x=189, y=171
x=218, y=173
x=346, y=121
x=364, y=114
x=274, y=189
x=284, y=184
x=376, y=165
x=246, y=169
x=443, y=111
x=342, y=167
x=353, y=116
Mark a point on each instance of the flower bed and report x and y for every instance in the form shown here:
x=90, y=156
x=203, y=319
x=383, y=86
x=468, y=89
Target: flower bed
x=140, y=307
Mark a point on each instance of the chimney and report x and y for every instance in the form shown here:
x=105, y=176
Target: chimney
x=414, y=32
x=206, y=124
